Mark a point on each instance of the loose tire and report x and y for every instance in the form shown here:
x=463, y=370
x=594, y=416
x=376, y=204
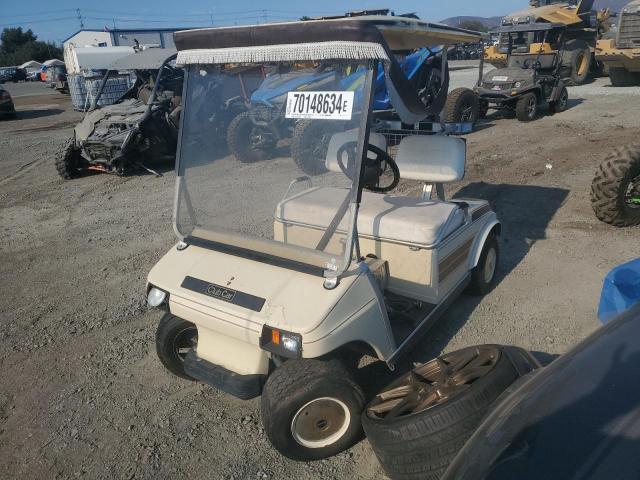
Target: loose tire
x=562, y=103
x=418, y=423
x=577, y=62
x=483, y=276
x=527, y=107
x=615, y=191
x=68, y=160
x=174, y=338
x=461, y=106
x=621, y=77
x=311, y=409
x=309, y=145
x=240, y=140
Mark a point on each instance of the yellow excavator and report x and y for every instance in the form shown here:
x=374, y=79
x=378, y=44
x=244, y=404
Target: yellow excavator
x=584, y=27
x=621, y=55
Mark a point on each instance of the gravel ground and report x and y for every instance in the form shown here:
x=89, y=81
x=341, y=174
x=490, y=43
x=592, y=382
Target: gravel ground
x=82, y=394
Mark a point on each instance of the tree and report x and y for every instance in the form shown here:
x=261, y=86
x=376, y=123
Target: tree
x=475, y=25
x=18, y=47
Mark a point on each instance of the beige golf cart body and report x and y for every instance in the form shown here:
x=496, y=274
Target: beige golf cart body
x=330, y=254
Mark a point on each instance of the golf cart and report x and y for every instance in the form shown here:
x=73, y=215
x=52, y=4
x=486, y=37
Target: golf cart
x=277, y=279
x=142, y=126
x=532, y=77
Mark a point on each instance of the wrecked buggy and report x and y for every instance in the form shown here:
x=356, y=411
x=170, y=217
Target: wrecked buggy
x=140, y=128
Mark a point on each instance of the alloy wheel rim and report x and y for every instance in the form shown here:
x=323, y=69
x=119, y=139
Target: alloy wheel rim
x=433, y=383
x=320, y=422
x=531, y=107
x=632, y=193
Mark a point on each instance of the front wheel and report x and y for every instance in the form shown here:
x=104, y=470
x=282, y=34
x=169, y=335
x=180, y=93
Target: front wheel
x=174, y=338
x=483, y=276
x=561, y=104
x=309, y=145
x=247, y=142
x=311, y=409
x=527, y=107
x=615, y=191
x=461, y=106
x=69, y=160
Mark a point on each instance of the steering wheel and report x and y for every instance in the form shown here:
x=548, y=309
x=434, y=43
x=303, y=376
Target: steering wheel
x=531, y=63
x=373, y=167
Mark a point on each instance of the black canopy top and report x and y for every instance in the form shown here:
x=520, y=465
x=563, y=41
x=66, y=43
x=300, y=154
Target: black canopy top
x=396, y=33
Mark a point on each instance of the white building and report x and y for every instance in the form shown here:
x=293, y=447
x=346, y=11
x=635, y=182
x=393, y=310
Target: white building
x=160, y=37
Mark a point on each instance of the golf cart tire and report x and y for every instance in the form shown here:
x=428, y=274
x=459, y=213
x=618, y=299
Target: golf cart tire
x=621, y=77
x=68, y=160
x=305, y=133
x=169, y=328
x=457, y=102
x=294, y=386
x=421, y=445
x=522, y=108
x=576, y=52
x=238, y=140
x=610, y=186
x=479, y=285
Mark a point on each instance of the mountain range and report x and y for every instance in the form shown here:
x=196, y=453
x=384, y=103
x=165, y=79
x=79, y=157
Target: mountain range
x=491, y=22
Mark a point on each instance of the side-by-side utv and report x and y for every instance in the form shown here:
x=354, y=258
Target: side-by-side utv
x=532, y=78
x=280, y=279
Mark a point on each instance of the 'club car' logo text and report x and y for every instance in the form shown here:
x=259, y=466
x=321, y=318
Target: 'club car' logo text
x=222, y=293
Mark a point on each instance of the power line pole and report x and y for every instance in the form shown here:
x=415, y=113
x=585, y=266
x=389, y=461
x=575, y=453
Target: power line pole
x=264, y=15
x=80, y=18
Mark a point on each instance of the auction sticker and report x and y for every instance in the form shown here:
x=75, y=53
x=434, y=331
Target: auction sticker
x=320, y=105
x=500, y=78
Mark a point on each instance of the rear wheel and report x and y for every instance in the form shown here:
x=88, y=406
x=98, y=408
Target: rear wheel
x=311, y=409
x=418, y=423
x=174, y=338
x=527, y=107
x=69, y=160
x=615, y=191
x=560, y=105
x=247, y=142
x=621, y=77
x=309, y=145
x=461, y=106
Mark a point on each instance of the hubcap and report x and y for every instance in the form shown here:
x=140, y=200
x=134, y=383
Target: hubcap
x=467, y=113
x=321, y=422
x=434, y=382
x=564, y=99
x=185, y=340
x=531, y=108
x=490, y=265
x=632, y=195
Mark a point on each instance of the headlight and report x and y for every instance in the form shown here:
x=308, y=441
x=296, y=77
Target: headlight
x=156, y=297
x=286, y=344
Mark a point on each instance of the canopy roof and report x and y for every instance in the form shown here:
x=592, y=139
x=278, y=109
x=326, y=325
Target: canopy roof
x=396, y=33
x=30, y=64
x=149, y=59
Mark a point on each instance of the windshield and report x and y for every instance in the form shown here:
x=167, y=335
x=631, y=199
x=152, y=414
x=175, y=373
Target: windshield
x=268, y=157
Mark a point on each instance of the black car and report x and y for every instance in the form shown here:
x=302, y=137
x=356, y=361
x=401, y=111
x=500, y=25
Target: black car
x=578, y=418
x=13, y=74
x=6, y=104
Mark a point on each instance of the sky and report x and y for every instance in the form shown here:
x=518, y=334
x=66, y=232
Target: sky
x=55, y=21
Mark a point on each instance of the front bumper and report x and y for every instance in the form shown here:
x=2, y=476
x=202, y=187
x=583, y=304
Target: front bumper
x=499, y=97
x=244, y=387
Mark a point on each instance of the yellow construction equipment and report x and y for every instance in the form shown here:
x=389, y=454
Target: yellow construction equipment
x=621, y=55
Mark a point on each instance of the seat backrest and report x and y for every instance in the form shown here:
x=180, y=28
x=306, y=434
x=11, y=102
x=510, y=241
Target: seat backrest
x=432, y=158
x=339, y=139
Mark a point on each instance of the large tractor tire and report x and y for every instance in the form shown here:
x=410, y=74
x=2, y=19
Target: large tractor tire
x=615, y=191
x=418, y=423
x=462, y=106
x=621, y=77
x=576, y=62
x=69, y=160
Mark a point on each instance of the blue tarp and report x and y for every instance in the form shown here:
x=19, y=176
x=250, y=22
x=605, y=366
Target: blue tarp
x=621, y=291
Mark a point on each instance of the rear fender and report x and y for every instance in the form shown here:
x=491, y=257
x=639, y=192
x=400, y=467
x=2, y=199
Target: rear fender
x=491, y=226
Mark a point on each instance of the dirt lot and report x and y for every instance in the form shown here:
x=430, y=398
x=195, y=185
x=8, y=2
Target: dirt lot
x=82, y=394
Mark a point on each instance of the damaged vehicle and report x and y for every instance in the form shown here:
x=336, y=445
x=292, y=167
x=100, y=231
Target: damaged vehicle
x=138, y=129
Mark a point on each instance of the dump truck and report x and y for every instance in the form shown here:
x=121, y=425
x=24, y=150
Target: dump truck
x=584, y=27
x=621, y=55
